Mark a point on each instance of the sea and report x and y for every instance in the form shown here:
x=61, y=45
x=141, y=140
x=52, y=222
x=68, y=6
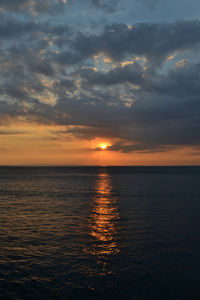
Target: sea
x=100, y=233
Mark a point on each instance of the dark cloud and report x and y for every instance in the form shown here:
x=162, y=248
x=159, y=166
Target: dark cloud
x=143, y=148
x=36, y=6
x=57, y=6
x=150, y=3
x=11, y=132
x=154, y=41
x=119, y=75
x=107, y=5
x=148, y=103
x=16, y=28
x=91, y=132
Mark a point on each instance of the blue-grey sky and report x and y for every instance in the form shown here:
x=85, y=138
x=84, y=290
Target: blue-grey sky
x=124, y=71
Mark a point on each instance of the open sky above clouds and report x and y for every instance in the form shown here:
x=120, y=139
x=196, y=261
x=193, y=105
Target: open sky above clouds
x=78, y=73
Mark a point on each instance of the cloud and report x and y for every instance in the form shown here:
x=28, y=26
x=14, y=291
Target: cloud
x=57, y=6
x=150, y=3
x=154, y=41
x=143, y=148
x=15, y=28
x=50, y=75
x=107, y=5
x=119, y=75
x=11, y=132
x=33, y=6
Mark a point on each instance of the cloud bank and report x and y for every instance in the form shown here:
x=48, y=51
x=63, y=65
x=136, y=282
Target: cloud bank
x=137, y=83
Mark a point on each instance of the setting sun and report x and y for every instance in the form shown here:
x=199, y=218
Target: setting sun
x=103, y=146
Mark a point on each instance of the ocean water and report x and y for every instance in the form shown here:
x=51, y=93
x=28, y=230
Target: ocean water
x=100, y=233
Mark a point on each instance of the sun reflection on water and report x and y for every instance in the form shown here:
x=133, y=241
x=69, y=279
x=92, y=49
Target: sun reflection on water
x=103, y=232
x=104, y=217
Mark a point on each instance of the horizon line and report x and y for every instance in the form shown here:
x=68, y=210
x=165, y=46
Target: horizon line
x=102, y=166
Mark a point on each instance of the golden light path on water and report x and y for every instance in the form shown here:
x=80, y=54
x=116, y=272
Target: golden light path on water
x=104, y=217
x=103, y=231
x=104, y=236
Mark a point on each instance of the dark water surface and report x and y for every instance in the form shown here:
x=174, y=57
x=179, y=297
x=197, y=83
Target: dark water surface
x=100, y=233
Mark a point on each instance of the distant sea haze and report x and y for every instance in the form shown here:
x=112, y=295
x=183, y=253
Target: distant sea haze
x=100, y=233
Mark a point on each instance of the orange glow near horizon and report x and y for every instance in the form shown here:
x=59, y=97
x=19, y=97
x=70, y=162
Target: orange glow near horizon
x=24, y=143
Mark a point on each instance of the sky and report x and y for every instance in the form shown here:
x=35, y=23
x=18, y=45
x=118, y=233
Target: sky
x=79, y=74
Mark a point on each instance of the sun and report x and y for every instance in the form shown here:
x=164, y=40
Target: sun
x=103, y=146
